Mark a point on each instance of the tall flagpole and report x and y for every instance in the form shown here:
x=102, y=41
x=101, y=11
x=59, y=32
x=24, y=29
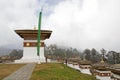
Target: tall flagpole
x=39, y=36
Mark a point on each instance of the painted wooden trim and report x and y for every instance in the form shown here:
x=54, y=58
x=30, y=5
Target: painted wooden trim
x=32, y=44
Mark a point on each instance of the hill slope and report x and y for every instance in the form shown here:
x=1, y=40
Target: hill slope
x=58, y=72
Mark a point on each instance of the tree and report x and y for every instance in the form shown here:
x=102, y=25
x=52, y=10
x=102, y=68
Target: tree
x=20, y=54
x=117, y=58
x=94, y=55
x=111, y=57
x=16, y=54
x=86, y=54
x=57, y=51
x=103, y=51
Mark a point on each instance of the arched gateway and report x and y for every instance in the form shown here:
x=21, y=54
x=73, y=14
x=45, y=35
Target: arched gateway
x=30, y=45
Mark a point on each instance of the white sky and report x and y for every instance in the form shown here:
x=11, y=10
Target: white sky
x=76, y=23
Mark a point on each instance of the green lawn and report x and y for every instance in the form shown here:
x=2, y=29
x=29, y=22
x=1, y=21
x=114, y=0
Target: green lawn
x=52, y=71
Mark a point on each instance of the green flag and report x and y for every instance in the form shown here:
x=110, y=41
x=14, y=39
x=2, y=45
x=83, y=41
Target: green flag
x=39, y=34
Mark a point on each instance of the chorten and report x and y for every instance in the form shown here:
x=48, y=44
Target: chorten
x=85, y=66
x=101, y=71
x=115, y=71
x=30, y=45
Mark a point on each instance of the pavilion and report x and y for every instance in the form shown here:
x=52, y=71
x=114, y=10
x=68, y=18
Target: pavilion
x=30, y=45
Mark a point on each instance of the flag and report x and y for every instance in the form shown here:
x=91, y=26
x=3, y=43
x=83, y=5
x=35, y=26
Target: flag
x=39, y=34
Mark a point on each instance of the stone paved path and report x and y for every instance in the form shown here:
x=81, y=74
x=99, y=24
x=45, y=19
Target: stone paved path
x=23, y=73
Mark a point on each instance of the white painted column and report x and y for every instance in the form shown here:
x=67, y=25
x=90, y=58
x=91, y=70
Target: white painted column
x=30, y=53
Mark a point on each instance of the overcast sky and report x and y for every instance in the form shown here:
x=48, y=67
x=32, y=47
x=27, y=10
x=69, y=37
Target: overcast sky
x=75, y=23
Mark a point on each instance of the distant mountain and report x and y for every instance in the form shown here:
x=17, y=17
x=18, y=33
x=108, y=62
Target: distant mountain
x=13, y=46
x=5, y=51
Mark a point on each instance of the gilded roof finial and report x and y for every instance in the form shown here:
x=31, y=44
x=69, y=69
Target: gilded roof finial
x=84, y=59
x=103, y=51
x=34, y=27
x=102, y=61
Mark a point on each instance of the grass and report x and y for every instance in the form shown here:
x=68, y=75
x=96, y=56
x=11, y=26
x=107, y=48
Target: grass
x=6, y=69
x=52, y=71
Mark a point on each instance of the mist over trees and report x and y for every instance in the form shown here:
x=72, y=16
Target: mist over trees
x=61, y=52
x=11, y=56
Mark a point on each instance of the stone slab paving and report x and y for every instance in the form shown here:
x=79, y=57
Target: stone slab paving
x=23, y=73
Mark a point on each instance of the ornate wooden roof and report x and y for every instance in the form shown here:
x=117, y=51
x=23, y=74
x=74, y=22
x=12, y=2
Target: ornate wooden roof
x=101, y=65
x=32, y=34
x=115, y=68
x=85, y=62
